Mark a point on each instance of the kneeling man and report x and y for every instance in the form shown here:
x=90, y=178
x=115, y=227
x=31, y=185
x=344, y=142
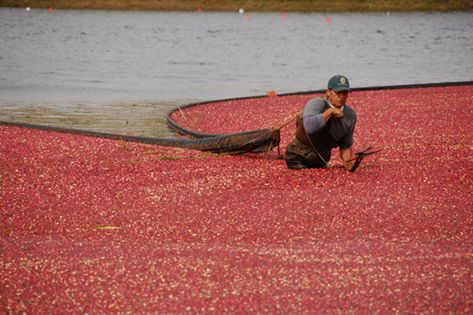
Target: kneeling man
x=325, y=123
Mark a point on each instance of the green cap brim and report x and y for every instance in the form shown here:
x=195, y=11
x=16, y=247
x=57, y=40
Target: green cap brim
x=341, y=88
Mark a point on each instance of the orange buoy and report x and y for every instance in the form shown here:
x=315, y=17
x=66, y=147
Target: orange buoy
x=272, y=93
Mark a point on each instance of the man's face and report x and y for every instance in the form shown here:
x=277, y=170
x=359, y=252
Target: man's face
x=337, y=99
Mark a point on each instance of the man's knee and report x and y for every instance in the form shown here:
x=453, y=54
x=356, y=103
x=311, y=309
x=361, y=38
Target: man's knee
x=296, y=165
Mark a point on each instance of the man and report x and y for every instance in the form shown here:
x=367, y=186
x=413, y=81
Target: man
x=323, y=125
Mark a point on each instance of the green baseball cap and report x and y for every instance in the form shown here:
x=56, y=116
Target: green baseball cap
x=339, y=83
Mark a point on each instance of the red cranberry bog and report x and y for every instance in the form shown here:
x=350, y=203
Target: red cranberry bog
x=92, y=225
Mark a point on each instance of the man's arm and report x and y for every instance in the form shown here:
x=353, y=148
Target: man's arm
x=347, y=155
x=313, y=123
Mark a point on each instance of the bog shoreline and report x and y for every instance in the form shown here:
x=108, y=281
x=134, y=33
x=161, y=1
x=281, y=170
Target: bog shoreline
x=252, y=5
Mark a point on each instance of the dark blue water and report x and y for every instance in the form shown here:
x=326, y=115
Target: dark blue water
x=92, y=68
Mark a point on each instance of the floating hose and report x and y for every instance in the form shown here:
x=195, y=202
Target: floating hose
x=237, y=143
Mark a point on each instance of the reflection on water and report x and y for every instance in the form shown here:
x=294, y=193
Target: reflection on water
x=100, y=69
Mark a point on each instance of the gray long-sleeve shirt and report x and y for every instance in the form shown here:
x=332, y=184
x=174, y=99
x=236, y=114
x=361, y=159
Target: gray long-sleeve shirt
x=342, y=131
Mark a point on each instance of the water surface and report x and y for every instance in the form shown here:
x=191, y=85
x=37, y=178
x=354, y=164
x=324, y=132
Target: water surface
x=121, y=71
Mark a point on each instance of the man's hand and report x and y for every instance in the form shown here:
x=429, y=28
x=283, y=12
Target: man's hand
x=332, y=113
x=336, y=113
